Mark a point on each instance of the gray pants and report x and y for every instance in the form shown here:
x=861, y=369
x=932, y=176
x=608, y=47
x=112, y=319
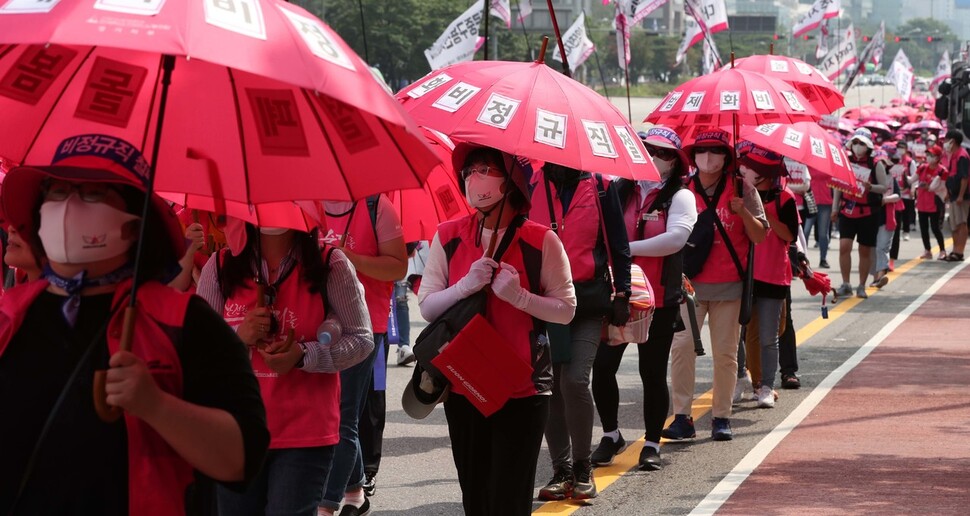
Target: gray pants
x=571, y=409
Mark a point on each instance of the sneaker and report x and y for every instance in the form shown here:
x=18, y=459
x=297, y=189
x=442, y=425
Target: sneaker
x=560, y=486
x=766, y=397
x=905, y=237
x=649, y=459
x=743, y=386
x=861, y=292
x=370, y=484
x=350, y=510
x=585, y=486
x=844, y=291
x=942, y=256
x=926, y=256
x=607, y=451
x=823, y=264
x=790, y=381
x=721, y=429
x=404, y=355
x=881, y=282
x=681, y=428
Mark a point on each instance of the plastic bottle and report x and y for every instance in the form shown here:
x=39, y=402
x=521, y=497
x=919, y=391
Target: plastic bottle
x=328, y=331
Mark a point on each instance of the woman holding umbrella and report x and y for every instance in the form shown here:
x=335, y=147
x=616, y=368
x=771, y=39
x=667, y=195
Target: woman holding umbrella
x=189, y=395
x=496, y=455
x=301, y=287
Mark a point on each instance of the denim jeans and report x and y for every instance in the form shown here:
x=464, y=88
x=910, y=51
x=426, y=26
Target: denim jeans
x=346, y=474
x=822, y=220
x=403, y=312
x=290, y=483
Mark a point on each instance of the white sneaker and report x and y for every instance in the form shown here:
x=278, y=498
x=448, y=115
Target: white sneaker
x=404, y=355
x=905, y=237
x=743, y=386
x=766, y=397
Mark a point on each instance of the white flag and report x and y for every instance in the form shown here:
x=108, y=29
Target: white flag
x=525, y=9
x=501, y=10
x=577, y=44
x=841, y=57
x=942, y=70
x=903, y=79
x=711, y=61
x=902, y=60
x=873, y=51
x=459, y=41
x=701, y=15
x=820, y=10
x=636, y=10
x=622, y=38
x=823, y=40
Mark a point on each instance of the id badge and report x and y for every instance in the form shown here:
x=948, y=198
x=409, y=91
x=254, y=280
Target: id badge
x=651, y=217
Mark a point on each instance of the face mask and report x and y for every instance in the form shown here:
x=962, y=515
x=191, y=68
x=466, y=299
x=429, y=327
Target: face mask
x=272, y=231
x=948, y=146
x=664, y=167
x=709, y=163
x=859, y=149
x=483, y=191
x=931, y=159
x=750, y=175
x=899, y=153
x=74, y=231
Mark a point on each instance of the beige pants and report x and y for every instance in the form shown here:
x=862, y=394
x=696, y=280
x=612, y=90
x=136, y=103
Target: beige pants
x=724, y=331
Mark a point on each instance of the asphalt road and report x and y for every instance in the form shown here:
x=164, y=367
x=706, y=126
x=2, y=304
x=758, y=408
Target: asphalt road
x=417, y=475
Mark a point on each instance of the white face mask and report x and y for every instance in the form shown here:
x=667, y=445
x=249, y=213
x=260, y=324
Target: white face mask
x=750, y=175
x=859, y=149
x=899, y=153
x=74, y=231
x=709, y=163
x=948, y=146
x=272, y=231
x=483, y=191
x=664, y=167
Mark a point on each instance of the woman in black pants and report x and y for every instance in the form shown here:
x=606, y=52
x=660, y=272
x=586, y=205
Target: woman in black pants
x=928, y=204
x=659, y=218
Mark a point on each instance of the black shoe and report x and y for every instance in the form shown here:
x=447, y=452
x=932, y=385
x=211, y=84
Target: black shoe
x=823, y=264
x=649, y=459
x=790, y=381
x=607, y=450
x=350, y=510
x=585, y=486
x=560, y=486
x=370, y=485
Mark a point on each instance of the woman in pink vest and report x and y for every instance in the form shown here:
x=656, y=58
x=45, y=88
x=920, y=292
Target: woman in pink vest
x=718, y=285
x=659, y=217
x=298, y=374
x=189, y=396
x=929, y=206
x=772, y=268
x=496, y=455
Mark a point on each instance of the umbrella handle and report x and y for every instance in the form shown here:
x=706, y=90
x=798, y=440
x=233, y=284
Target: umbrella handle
x=195, y=220
x=260, y=295
x=109, y=413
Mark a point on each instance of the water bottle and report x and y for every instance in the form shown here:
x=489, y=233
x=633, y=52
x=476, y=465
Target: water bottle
x=328, y=331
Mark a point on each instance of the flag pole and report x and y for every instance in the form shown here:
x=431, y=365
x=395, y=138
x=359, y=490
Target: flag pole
x=528, y=44
x=602, y=75
x=562, y=48
x=363, y=30
x=488, y=5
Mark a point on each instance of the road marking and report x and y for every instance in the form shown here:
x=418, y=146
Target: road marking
x=729, y=484
x=629, y=459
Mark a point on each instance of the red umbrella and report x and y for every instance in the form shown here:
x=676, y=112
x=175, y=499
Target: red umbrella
x=810, y=82
x=530, y=110
x=231, y=134
x=732, y=96
x=805, y=142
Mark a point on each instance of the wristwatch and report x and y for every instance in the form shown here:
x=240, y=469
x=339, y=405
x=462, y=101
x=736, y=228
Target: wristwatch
x=624, y=294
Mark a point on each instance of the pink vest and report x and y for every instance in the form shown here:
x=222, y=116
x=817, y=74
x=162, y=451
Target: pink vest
x=641, y=225
x=302, y=409
x=157, y=475
x=862, y=205
x=362, y=240
x=719, y=267
x=771, y=263
x=579, y=230
x=821, y=190
x=510, y=322
x=925, y=199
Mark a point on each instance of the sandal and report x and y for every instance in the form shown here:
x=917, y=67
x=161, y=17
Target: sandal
x=790, y=382
x=954, y=257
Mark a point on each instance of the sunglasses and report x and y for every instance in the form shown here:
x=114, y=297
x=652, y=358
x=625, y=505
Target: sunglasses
x=662, y=153
x=88, y=192
x=721, y=151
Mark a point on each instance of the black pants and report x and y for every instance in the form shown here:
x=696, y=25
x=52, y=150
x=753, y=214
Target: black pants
x=787, y=351
x=370, y=428
x=909, y=215
x=894, y=247
x=654, y=356
x=496, y=456
x=930, y=222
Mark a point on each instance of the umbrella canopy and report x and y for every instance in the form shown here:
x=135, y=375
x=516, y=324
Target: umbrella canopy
x=807, y=143
x=824, y=96
x=732, y=96
x=529, y=110
x=929, y=125
x=241, y=134
x=875, y=125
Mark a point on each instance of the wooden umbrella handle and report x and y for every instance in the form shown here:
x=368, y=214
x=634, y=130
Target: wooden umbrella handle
x=109, y=413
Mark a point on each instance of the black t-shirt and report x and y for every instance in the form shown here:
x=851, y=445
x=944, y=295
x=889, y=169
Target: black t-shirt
x=82, y=467
x=787, y=215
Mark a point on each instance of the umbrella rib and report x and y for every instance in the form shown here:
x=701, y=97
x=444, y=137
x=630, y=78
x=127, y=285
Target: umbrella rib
x=242, y=136
x=47, y=117
x=151, y=104
x=414, y=173
x=326, y=136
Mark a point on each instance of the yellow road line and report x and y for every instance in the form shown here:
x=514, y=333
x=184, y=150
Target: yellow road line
x=629, y=459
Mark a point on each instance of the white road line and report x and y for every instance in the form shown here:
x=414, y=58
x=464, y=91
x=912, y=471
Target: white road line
x=730, y=483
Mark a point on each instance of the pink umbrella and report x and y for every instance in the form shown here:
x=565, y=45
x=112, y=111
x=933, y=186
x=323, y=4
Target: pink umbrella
x=874, y=125
x=807, y=143
x=909, y=128
x=810, y=82
x=930, y=125
x=878, y=116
